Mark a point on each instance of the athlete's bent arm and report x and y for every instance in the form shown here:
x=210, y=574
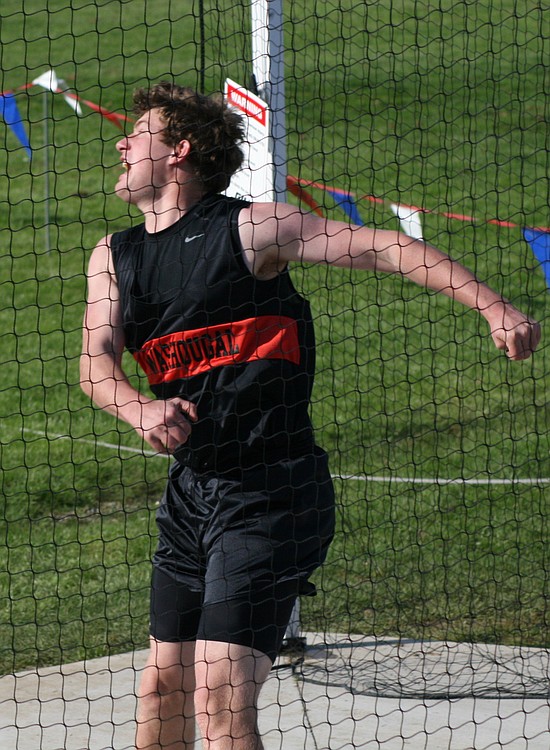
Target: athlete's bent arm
x=163, y=424
x=276, y=234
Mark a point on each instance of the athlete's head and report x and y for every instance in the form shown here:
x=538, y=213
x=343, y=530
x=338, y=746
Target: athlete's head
x=213, y=131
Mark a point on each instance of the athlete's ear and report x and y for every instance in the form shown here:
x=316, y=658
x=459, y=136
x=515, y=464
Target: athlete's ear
x=181, y=151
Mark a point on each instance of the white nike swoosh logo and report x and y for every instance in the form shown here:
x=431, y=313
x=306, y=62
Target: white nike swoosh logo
x=194, y=237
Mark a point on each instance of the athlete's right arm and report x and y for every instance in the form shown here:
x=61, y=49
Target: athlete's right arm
x=163, y=424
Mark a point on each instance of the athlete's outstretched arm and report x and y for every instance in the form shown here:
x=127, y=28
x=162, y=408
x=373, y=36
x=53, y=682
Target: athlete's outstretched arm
x=163, y=424
x=276, y=234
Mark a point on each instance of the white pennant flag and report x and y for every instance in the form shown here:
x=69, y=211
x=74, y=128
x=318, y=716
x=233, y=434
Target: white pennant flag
x=71, y=101
x=51, y=82
x=410, y=220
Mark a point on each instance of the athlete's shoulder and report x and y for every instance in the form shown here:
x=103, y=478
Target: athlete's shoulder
x=130, y=234
x=219, y=203
x=100, y=258
x=265, y=226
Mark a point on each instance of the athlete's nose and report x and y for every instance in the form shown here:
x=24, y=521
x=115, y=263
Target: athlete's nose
x=122, y=145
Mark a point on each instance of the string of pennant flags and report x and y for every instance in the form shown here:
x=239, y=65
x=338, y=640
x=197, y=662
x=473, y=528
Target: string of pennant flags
x=48, y=81
x=410, y=217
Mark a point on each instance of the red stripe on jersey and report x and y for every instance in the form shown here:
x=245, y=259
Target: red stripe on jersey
x=187, y=353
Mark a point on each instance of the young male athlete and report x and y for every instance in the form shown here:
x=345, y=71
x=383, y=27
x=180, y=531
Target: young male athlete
x=200, y=294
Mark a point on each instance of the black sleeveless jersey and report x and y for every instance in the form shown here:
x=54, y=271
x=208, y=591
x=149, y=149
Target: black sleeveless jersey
x=202, y=327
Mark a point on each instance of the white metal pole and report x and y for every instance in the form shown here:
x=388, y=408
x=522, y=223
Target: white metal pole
x=46, y=130
x=269, y=74
x=268, y=67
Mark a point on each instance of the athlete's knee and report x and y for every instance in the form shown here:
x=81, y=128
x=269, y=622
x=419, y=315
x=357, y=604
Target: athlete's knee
x=167, y=679
x=165, y=715
x=161, y=692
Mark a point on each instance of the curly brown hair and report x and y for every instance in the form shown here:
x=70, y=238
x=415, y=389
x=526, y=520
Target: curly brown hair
x=214, y=131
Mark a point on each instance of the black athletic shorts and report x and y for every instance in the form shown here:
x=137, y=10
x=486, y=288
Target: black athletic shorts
x=234, y=552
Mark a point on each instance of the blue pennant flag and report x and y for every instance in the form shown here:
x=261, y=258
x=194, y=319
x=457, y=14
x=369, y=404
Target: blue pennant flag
x=540, y=244
x=10, y=113
x=346, y=202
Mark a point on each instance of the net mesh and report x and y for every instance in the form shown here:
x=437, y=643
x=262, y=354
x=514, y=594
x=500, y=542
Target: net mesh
x=430, y=118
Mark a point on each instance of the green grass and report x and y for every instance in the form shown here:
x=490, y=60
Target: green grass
x=437, y=562
x=441, y=108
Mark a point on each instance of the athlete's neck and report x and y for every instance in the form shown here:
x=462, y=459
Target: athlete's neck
x=167, y=210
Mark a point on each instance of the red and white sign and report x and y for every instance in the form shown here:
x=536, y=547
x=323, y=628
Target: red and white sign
x=250, y=104
x=255, y=180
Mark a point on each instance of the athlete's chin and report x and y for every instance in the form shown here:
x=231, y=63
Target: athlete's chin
x=124, y=193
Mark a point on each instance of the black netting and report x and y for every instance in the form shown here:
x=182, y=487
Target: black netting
x=428, y=118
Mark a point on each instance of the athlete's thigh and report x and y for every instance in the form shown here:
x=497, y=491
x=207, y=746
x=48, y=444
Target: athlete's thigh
x=175, y=608
x=257, y=619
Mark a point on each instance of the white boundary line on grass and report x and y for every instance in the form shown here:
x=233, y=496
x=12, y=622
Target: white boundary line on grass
x=357, y=477
x=443, y=480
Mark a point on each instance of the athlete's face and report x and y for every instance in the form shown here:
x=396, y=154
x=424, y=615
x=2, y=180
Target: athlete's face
x=146, y=160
